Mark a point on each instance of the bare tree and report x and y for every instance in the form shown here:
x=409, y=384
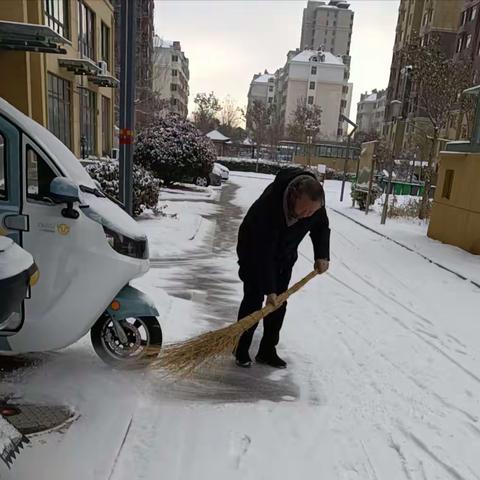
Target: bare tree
x=230, y=115
x=439, y=82
x=205, y=114
x=258, y=120
x=275, y=129
x=304, y=120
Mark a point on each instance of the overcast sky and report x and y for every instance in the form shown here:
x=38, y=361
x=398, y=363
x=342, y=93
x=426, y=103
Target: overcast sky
x=227, y=41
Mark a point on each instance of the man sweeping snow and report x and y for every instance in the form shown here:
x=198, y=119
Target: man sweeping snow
x=268, y=238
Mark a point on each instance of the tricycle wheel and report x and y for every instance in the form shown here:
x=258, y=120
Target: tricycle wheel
x=142, y=345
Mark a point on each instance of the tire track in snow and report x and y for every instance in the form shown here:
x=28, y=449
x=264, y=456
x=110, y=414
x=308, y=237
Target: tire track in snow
x=397, y=320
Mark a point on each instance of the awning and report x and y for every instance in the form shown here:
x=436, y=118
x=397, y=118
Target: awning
x=30, y=37
x=80, y=66
x=104, y=81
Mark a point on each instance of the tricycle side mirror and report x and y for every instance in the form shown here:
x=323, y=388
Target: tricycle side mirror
x=63, y=190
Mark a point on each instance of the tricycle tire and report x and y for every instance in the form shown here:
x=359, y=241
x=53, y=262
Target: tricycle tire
x=109, y=348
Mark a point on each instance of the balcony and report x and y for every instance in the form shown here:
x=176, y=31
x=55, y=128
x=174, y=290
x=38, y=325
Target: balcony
x=29, y=37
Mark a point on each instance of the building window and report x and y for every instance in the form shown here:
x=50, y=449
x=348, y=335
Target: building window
x=173, y=87
x=174, y=58
x=106, y=45
x=270, y=88
x=88, y=121
x=468, y=41
x=106, y=126
x=174, y=102
x=59, y=104
x=56, y=16
x=345, y=89
x=473, y=14
x=448, y=184
x=39, y=176
x=86, y=31
x=310, y=100
x=314, y=71
x=174, y=73
x=343, y=104
x=270, y=99
x=463, y=18
x=312, y=86
x=459, y=44
x=3, y=169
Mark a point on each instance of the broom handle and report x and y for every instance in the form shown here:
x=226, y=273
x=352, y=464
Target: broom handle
x=284, y=296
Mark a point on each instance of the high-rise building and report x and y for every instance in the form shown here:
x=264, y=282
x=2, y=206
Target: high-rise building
x=143, y=57
x=262, y=88
x=425, y=20
x=171, y=76
x=467, y=45
x=61, y=73
x=314, y=77
x=371, y=112
x=329, y=27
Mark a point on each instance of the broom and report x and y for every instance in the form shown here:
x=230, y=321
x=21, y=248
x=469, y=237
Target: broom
x=182, y=358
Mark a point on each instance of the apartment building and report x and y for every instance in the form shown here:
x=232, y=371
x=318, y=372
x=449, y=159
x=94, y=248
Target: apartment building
x=371, y=112
x=171, y=75
x=57, y=58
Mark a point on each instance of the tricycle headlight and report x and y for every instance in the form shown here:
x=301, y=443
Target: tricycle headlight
x=125, y=245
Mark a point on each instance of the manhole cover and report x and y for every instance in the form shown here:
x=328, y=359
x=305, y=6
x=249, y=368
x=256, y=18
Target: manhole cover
x=29, y=418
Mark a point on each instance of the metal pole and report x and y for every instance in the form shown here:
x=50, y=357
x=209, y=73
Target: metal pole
x=387, y=194
x=355, y=126
x=128, y=27
x=345, y=169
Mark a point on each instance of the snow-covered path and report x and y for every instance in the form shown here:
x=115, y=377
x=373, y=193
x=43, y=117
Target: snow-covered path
x=383, y=381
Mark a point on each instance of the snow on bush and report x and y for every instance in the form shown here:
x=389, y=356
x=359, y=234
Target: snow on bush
x=250, y=165
x=174, y=150
x=146, y=188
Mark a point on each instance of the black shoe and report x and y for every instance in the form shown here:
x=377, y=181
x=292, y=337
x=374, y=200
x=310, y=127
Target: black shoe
x=273, y=360
x=243, y=360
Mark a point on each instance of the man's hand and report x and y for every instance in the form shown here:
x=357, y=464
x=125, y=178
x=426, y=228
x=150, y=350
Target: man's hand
x=272, y=299
x=321, y=265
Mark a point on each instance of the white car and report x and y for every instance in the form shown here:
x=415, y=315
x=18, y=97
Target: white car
x=224, y=171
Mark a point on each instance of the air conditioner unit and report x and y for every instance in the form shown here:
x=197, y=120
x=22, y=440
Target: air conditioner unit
x=103, y=68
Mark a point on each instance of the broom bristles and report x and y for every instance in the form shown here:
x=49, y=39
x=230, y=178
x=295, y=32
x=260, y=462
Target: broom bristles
x=183, y=358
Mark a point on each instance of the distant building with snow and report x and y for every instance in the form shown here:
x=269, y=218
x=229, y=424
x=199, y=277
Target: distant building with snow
x=314, y=77
x=171, y=75
x=371, y=112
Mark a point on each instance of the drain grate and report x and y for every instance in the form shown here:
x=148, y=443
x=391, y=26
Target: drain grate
x=30, y=419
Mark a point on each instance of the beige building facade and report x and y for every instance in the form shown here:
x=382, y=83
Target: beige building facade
x=72, y=94
x=316, y=78
x=171, y=75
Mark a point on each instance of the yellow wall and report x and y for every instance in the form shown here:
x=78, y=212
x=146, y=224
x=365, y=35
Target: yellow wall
x=457, y=220
x=24, y=74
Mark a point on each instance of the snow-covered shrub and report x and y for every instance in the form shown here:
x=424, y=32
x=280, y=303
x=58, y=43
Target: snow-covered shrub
x=174, y=150
x=250, y=165
x=146, y=188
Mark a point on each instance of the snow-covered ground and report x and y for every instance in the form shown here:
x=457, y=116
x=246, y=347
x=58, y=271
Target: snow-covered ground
x=383, y=379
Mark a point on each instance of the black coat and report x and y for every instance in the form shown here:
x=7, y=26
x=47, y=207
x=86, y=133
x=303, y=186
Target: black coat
x=266, y=244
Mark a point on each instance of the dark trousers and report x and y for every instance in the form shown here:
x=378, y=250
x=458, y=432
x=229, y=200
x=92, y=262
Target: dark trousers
x=253, y=298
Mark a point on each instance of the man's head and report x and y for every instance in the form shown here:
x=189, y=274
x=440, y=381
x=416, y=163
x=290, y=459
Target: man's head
x=305, y=196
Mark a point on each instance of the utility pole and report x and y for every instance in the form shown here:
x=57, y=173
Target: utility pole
x=349, y=137
x=128, y=34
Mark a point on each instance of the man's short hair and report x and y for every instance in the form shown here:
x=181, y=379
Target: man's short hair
x=306, y=185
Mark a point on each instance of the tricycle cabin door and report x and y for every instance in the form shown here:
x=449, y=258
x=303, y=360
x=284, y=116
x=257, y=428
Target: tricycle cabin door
x=12, y=223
